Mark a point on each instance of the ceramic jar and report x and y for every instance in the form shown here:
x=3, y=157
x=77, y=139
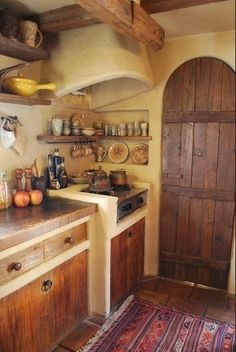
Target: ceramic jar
x=57, y=125
x=66, y=128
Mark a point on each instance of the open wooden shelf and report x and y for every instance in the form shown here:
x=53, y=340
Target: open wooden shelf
x=67, y=139
x=20, y=51
x=128, y=138
x=17, y=99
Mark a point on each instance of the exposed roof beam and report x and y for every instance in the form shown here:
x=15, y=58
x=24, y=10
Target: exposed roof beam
x=127, y=18
x=64, y=18
x=155, y=6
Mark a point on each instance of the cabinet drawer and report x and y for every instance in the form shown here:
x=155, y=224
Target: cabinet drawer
x=18, y=263
x=64, y=241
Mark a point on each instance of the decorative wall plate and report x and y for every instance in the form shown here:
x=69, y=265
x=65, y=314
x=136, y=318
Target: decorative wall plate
x=139, y=154
x=118, y=152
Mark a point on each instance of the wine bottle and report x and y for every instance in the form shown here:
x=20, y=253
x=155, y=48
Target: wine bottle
x=56, y=163
x=62, y=175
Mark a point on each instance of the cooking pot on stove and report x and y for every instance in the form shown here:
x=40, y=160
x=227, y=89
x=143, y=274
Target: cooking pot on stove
x=98, y=179
x=118, y=177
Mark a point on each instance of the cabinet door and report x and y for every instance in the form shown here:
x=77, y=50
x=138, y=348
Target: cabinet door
x=127, y=258
x=135, y=249
x=38, y=315
x=118, y=267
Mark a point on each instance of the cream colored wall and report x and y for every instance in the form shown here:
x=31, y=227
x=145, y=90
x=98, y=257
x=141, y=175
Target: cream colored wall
x=175, y=52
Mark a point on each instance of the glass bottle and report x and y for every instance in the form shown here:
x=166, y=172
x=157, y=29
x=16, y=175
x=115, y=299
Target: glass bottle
x=5, y=196
x=62, y=175
x=56, y=162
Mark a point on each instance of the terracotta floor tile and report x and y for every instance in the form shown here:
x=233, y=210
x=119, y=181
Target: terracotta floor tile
x=80, y=336
x=220, y=314
x=97, y=319
x=155, y=297
x=60, y=349
x=190, y=307
x=207, y=296
x=149, y=284
x=174, y=289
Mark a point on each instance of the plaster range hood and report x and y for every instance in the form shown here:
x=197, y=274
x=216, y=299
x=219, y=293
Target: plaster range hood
x=114, y=67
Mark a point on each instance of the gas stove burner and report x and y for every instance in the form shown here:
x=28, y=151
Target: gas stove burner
x=105, y=192
x=121, y=188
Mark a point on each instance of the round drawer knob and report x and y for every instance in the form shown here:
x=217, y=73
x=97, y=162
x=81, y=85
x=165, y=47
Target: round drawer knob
x=69, y=240
x=130, y=234
x=15, y=266
x=47, y=284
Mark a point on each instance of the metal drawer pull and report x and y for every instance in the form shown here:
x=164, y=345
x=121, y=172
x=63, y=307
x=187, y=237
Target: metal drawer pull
x=47, y=284
x=69, y=240
x=15, y=266
x=130, y=234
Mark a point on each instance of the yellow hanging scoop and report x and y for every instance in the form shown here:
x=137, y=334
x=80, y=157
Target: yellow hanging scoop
x=23, y=86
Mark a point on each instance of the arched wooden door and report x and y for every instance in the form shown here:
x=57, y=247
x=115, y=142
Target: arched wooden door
x=198, y=173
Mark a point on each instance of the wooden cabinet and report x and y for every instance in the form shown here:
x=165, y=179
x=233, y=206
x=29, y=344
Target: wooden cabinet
x=127, y=260
x=38, y=315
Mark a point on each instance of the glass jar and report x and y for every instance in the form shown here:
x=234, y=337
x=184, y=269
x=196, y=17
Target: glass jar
x=5, y=195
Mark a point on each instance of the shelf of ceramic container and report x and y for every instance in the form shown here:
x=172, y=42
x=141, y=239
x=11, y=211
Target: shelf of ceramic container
x=66, y=139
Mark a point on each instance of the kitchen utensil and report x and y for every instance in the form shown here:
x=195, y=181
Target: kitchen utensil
x=144, y=128
x=100, y=153
x=118, y=152
x=29, y=31
x=98, y=179
x=79, y=179
x=139, y=154
x=39, y=167
x=118, y=177
x=23, y=86
x=88, y=131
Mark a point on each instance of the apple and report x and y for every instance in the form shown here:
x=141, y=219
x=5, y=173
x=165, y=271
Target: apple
x=21, y=199
x=36, y=197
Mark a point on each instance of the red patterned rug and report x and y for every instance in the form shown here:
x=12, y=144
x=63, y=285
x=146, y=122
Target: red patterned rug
x=142, y=326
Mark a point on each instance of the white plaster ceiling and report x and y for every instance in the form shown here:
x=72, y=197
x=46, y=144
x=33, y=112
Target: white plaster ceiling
x=214, y=17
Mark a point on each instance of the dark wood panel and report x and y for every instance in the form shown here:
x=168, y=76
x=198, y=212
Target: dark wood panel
x=200, y=193
x=223, y=229
x=186, y=155
x=171, y=150
x=199, y=155
x=195, y=261
x=194, y=232
x=203, y=72
x=169, y=216
x=208, y=213
x=183, y=224
x=189, y=86
x=118, y=267
x=173, y=95
x=228, y=89
x=214, y=100
x=199, y=116
x=226, y=162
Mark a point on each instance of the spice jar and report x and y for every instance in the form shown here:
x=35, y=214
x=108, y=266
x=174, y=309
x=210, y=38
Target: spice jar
x=5, y=196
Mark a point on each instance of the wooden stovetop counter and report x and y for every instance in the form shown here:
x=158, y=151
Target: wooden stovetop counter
x=18, y=225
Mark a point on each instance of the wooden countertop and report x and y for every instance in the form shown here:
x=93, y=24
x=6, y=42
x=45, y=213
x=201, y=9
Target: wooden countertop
x=18, y=225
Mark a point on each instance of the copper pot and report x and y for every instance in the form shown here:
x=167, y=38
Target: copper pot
x=98, y=179
x=118, y=177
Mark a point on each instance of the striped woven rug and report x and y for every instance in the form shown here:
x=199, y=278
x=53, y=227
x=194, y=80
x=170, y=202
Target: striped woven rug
x=142, y=326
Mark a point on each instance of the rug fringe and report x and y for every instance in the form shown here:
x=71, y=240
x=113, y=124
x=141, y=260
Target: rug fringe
x=106, y=325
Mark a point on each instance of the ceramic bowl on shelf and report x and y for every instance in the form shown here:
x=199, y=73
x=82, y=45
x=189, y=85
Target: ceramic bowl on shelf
x=88, y=131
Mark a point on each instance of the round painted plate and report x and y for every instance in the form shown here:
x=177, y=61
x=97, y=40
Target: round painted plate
x=118, y=152
x=139, y=154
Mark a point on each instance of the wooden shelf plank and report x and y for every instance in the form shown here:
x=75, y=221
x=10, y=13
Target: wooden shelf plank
x=17, y=99
x=20, y=51
x=66, y=139
x=128, y=138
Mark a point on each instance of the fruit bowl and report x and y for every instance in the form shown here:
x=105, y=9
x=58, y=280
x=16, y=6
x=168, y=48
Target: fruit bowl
x=88, y=131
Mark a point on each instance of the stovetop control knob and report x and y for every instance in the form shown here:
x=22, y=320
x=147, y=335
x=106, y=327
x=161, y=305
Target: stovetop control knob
x=126, y=207
x=140, y=200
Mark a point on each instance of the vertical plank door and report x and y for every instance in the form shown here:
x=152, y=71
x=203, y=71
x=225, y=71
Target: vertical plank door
x=198, y=173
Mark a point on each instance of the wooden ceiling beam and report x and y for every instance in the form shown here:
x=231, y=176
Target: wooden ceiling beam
x=127, y=18
x=155, y=6
x=64, y=18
